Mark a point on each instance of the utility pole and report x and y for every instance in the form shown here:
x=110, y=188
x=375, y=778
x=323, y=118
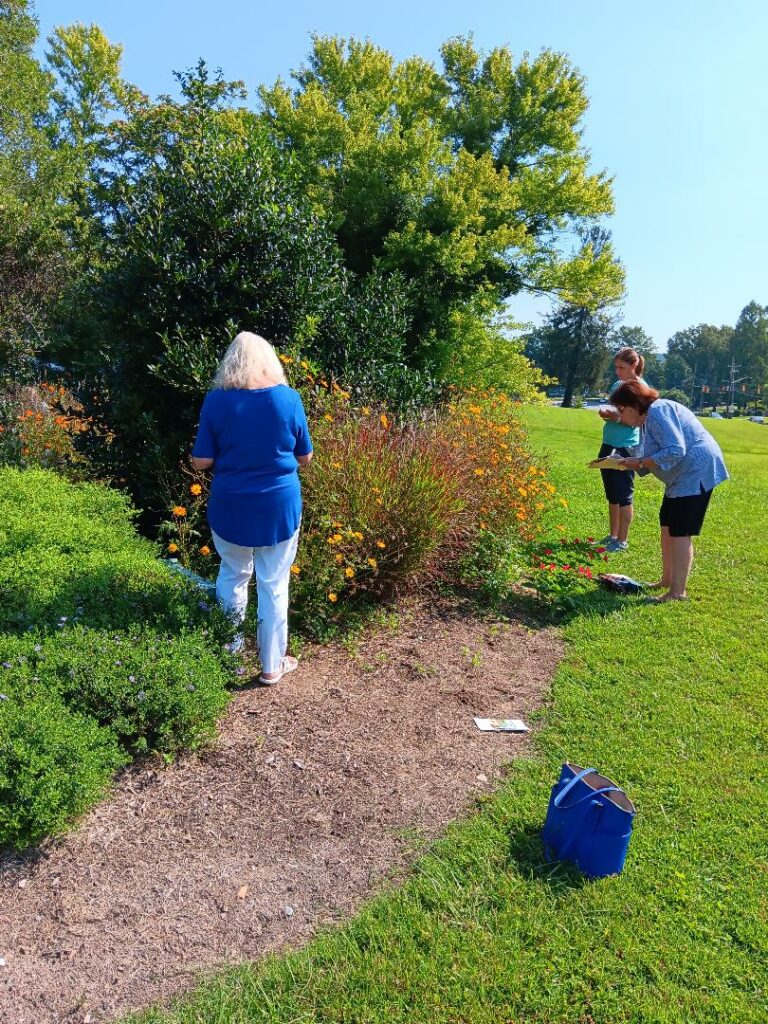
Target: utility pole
x=732, y=381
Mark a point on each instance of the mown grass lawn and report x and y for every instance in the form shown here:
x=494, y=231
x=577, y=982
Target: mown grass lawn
x=672, y=701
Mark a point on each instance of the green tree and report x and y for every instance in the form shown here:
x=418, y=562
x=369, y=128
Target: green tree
x=705, y=349
x=572, y=345
x=52, y=118
x=465, y=180
x=749, y=350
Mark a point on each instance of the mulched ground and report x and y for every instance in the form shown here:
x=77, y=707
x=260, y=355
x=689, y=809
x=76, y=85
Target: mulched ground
x=297, y=814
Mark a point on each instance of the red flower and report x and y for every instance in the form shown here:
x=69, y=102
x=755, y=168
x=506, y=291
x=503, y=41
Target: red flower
x=566, y=568
x=600, y=551
x=548, y=551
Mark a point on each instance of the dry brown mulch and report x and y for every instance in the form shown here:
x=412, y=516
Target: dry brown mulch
x=297, y=814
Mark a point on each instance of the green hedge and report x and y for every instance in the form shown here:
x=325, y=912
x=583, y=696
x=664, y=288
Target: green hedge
x=104, y=654
x=54, y=764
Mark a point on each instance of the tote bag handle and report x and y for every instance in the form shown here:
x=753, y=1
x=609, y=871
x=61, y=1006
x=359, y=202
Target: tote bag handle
x=592, y=793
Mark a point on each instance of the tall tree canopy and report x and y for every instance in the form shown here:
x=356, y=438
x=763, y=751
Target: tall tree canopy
x=465, y=179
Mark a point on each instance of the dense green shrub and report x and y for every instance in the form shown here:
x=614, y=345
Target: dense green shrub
x=54, y=763
x=154, y=692
x=69, y=553
x=101, y=648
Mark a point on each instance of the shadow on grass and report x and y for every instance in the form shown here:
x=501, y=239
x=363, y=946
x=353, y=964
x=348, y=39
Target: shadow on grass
x=526, y=853
x=541, y=613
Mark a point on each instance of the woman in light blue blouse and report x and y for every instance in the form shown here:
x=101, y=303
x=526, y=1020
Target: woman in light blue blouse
x=686, y=458
x=253, y=434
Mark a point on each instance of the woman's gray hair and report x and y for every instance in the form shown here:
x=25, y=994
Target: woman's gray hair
x=249, y=361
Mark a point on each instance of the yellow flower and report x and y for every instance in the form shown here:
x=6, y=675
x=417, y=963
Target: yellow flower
x=173, y=548
x=336, y=465
x=205, y=550
x=384, y=421
x=339, y=557
x=380, y=544
x=328, y=417
x=295, y=569
x=337, y=537
x=333, y=598
x=336, y=526
x=373, y=563
x=357, y=535
x=479, y=472
x=564, y=503
x=366, y=410
x=179, y=511
x=196, y=489
x=349, y=572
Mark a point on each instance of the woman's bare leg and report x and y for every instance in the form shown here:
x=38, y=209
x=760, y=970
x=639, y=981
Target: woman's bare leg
x=666, y=562
x=681, y=550
x=613, y=519
x=626, y=513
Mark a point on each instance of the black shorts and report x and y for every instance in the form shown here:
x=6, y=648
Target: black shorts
x=684, y=516
x=619, y=484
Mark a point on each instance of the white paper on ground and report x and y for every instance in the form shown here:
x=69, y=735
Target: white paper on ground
x=501, y=725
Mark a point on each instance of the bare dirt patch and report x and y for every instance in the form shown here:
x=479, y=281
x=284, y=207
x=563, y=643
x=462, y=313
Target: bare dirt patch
x=308, y=799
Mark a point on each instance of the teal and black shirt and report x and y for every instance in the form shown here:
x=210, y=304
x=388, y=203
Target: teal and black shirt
x=618, y=435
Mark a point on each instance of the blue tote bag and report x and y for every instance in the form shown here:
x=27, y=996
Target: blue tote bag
x=589, y=822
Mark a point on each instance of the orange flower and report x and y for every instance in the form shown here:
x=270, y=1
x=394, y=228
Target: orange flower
x=173, y=548
x=373, y=563
x=295, y=569
x=205, y=550
x=179, y=511
x=339, y=557
x=384, y=421
x=349, y=572
x=333, y=598
x=196, y=489
x=380, y=544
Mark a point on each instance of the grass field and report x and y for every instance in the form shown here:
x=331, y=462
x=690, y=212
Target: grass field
x=672, y=701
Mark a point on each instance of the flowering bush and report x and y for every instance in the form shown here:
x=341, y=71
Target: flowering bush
x=389, y=504
x=563, y=568
x=46, y=425
x=186, y=533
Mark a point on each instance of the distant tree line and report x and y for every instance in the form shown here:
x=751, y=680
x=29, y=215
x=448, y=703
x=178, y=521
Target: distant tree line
x=704, y=365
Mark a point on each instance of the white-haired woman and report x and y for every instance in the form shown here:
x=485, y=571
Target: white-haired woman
x=253, y=433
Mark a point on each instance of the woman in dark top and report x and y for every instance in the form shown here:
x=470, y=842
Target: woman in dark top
x=253, y=434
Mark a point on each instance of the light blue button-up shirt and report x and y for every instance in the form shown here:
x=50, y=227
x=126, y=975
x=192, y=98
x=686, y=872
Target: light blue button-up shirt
x=687, y=457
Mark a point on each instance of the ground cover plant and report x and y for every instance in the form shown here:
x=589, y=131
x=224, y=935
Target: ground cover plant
x=103, y=653
x=668, y=700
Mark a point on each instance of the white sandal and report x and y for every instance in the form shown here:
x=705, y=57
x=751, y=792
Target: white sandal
x=288, y=664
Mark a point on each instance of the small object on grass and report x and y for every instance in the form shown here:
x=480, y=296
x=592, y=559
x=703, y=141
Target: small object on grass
x=501, y=725
x=288, y=911
x=620, y=584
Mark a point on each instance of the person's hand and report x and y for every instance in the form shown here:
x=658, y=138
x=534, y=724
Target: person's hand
x=606, y=414
x=630, y=463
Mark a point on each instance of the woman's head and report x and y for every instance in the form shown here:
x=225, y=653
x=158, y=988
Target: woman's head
x=633, y=400
x=628, y=364
x=249, y=362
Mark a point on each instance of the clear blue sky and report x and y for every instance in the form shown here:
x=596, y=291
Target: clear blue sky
x=678, y=112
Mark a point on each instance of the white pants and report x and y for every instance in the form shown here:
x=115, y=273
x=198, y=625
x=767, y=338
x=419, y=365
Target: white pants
x=273, y=572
